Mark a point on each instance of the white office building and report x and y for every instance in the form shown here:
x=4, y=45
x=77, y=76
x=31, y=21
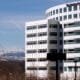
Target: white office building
x=59, y=32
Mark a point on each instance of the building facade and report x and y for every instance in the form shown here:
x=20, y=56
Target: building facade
x=65, y=37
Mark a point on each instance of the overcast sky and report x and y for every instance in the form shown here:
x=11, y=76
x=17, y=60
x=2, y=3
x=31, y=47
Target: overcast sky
x=14, y=14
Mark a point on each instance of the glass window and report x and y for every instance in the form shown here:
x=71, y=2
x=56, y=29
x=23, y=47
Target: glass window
x=31, y=27
x=53, y=41
x=61, y=42
x=42, y=42
x=65, y=17
x=60, y=10
x=70, y=68
x=31, y=43
x=65, y=68
x=53, y=12
x=53, y=50
x=69, y=16
x=56, y=11
x=75, y=7
x=31, y=51
x=42, y=34
x=75, y=15
x=42, y=50
x=65, y=9
x=42, y=68
x=42, y=26
x=56, y=18
x=60, y=18
x=31, y=35
x=53, y=33
x=70, y=8
x=53, y=26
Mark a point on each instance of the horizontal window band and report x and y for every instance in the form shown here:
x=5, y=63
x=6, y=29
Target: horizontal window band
x=39, y=59
x=36, y=68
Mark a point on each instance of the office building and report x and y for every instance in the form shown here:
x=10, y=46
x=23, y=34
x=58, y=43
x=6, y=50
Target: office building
x=59, y=32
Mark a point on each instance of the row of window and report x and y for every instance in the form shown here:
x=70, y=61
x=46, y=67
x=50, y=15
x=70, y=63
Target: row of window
x=75, y=32
x=63, y=10
x=39, y=34
x=44, y=42
x=75, y=24
x=70, y=68
x=42, y=68
x=75, y=50
x=66, y=17
x=72, y=41
x=43, y=51
x=35, y=27
x=36, y=68
x=41, y=26
x=55, y=50
x=39, y=51
x=42, y=34
x=41, y=42
x=34, y=59
x=53, y=25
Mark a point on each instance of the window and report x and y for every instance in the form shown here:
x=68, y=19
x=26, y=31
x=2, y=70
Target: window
x=56, y=11
x=53, y=50
x=61, y=42
x=53, y=12
x=31, y=27
x=75, y=15
x=75, y=24
x=31, y=51
x=42, y=42
x=65, y=9
x=42, y=59
x=53, y=33
x=56, y=18
x=31, y=59
x=65, y=17
x=42, y=68
x=31, y=35
x=42, y=34
x=53, y=41
x=31, y=68
x=42, y=50
x=65, y=68
x=53, y=26
x=42, y=26
x=75, y=7
x=70, y=8
x=69, y=16
x=70, y=68
x=53, y=68
x=60, y=18
x=61, y=34
x=31, y=42
x=60, y=10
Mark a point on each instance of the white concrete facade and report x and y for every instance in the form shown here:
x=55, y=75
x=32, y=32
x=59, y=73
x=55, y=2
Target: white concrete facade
x=41, y=37
x=68, y=16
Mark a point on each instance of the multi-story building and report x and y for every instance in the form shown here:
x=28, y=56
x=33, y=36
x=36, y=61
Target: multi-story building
x=59, y=32
x=42, y=37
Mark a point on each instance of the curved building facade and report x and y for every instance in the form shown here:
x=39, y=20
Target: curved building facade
x=68, y=34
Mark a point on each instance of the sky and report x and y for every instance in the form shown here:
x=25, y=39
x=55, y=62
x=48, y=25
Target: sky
x=14, y=14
